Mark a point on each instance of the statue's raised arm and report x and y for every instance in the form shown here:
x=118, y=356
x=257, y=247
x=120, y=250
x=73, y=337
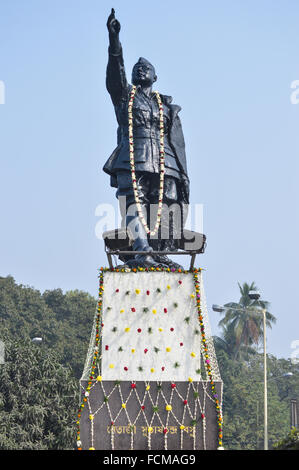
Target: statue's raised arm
x=116, y=81
x=113, y=26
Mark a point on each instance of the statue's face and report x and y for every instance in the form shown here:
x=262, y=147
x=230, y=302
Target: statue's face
x=143, y=74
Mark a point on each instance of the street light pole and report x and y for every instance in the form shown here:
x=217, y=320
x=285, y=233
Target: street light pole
x=255, y=295
x=265, y=385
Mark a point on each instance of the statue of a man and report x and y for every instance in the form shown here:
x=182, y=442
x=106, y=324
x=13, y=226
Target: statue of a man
x=146, y=140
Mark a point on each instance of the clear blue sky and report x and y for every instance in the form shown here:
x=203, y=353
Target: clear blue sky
x=229, y=64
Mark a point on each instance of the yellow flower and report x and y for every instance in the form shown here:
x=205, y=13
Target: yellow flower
x=168, y=287
x=168, y=408
x=99, y=378
x=192, y=296
x=111, y=366
x=137, y=291
x=168, y=349
x=148, y=387
x=192, y=354
x=150, y=429
x=122, y=310
x=182, y=426
x=190, y=380
x=132, y=350
x=160, y=329
x=127, y=330
x=123, y=405
x=91, y=417
x=91, y=448
x=152, y=370
x=154, y=310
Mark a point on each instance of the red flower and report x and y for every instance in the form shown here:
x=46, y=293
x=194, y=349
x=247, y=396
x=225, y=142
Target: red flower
x=185, y=402
x=163, y=368
x=173, y=385
x=202, y=415
x=117, y=290
x=142, y=407
x=145, y=351
x=180, y=282
x=106, y=347
x=171, y=329
x=133, y=309
x=165, y=310
x=165, y=430
x=133, y=385
x=181, y=344
x=147, y=292
x=125, y=368
x=139, y=330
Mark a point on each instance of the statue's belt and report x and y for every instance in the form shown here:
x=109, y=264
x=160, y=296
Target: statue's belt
x=144, y=133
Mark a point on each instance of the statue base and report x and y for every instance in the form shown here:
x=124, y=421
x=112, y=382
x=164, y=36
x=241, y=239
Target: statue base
x=126, y=418
x=151, y=378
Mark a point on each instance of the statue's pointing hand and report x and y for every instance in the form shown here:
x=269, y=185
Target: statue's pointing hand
x=113, y=24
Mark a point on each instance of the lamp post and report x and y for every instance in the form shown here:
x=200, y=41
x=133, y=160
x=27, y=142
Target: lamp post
x=254, y=295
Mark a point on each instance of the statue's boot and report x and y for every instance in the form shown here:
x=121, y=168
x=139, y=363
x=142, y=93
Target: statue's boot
x=143, y=261
x=140, y=244
x=168, y=244
x=167, y=261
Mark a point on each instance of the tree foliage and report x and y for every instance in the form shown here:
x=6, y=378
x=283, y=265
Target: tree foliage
x=243, y=399
x=242, y=324
x=290, y=442
x=38, y=399
x=62, y=320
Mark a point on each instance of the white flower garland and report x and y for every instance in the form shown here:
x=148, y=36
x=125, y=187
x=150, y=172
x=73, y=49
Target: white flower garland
x=132, y=163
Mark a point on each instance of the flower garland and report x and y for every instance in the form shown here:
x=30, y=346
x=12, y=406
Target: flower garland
x=94, y=360
x=208, y=362
x=132, y=163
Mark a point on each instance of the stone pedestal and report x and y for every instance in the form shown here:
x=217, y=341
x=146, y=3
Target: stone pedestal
x=155, y=416
x=151, y=379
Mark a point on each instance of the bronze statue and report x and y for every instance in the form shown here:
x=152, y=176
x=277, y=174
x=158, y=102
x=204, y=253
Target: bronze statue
x=146, y=126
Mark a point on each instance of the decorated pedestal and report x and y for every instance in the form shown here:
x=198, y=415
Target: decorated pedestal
x=151, y=379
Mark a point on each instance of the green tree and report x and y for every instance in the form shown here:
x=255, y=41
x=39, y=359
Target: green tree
x=228, y=343
x=38, y=399
x=242, y=321
x=63, y=320
x=290, y=442
x=243, y=401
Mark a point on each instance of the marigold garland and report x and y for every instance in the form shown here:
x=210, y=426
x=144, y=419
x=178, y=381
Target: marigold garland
x=208, y=363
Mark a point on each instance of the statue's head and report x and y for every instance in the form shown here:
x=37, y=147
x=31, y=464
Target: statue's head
x=143, y=73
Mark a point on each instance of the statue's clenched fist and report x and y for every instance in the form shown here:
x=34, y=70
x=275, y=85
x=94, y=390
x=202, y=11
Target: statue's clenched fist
x=113, y=24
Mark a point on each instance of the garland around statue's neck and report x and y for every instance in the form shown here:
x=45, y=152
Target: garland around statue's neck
x=161, y=164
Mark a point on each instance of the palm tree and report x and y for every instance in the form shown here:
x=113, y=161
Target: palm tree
x=243, y=320
x=227, y=343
